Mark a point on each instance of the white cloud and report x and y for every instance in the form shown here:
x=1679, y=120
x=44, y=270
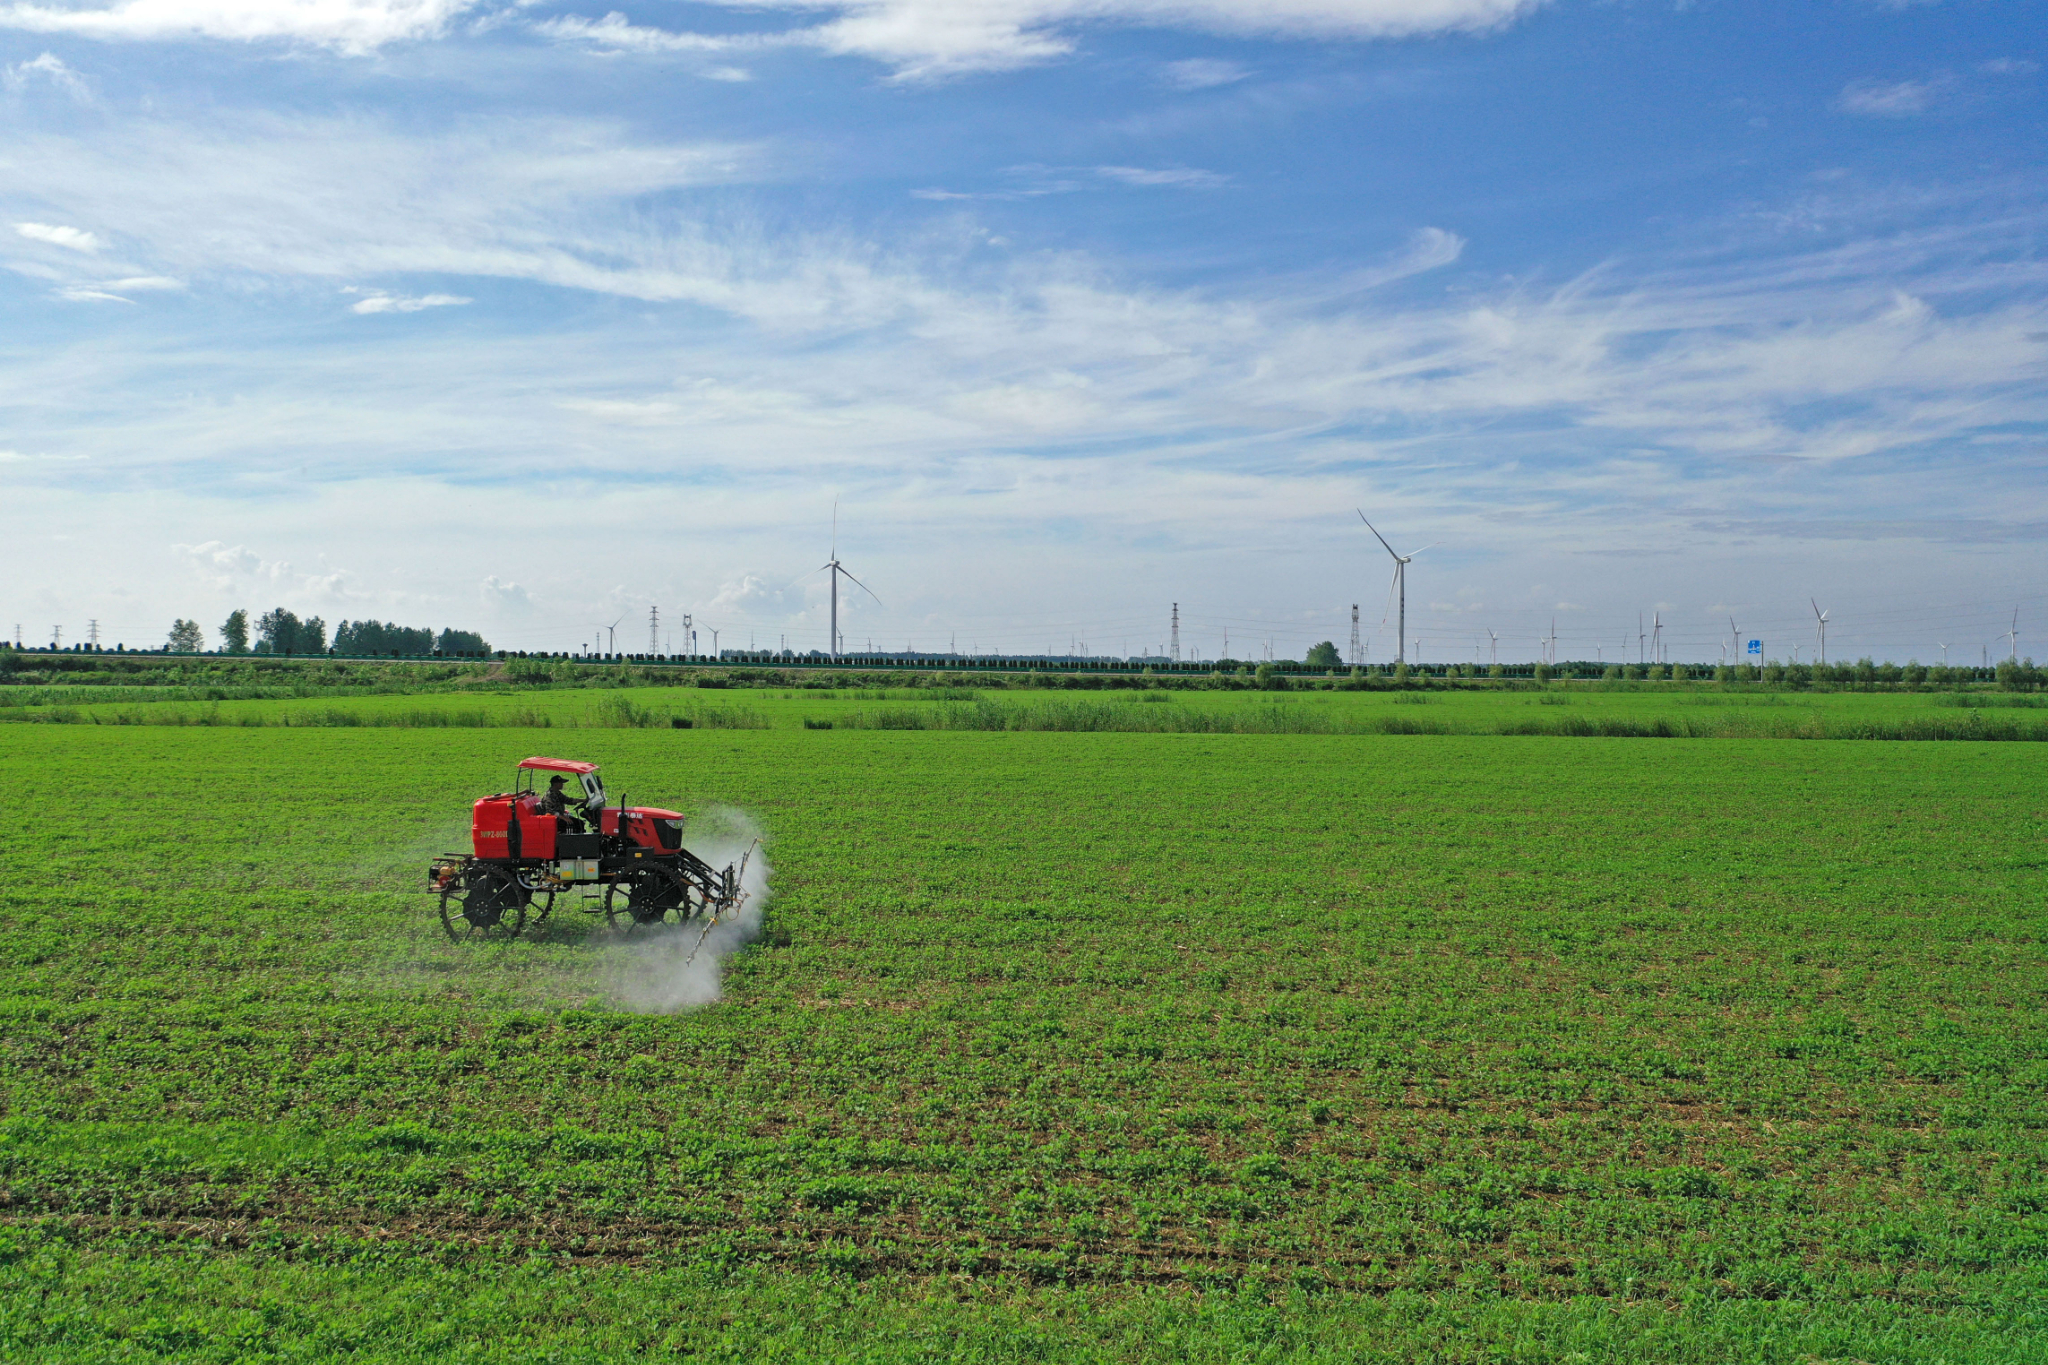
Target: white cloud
x=616, y=411
x=939, y=38
x=225, y=567
x=504, y=595
x=71, y=238
x=747, y=595
x=354, y=26
x=1175, y=177
x=1203, y=73
x=377, y=301
x=117, y=291
x=48, y=67
x=1888, y=99
x=616, y=33
x=2010, y=66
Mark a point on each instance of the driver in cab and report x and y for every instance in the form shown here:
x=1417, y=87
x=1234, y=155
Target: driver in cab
x=557, y=803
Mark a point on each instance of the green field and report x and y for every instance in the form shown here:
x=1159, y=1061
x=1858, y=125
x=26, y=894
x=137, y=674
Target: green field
x=1596, y=709
x=1150, y=1046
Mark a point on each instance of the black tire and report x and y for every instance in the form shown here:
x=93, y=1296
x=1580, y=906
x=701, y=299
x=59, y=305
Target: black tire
x=646, y=896
x=485, y=903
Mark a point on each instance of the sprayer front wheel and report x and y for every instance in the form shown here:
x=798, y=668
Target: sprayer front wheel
x=645, y=897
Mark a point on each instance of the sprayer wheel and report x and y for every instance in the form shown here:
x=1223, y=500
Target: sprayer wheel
x=486, y=903
x=645, y=897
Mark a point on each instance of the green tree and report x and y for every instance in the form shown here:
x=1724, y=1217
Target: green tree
x=462, y=642
x=1323, y=655
x=186, y=637
x=1543, y=672
x=234, y=632
x=275, y=631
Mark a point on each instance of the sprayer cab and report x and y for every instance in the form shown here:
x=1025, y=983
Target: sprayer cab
x=554, y=831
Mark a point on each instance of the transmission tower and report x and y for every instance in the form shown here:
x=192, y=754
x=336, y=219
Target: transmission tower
x=654, y=630
x=1357, y=650
x=92, y=632
x=56, y=637
x=1176, y=632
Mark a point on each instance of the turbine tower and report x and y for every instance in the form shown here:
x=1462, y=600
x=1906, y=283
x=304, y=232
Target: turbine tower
x=1820, y=630
x=837, y=569
x=1398, y=589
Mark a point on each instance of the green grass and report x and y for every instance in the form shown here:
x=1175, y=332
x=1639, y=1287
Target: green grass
x=1139, y=1046
x=1573, y=710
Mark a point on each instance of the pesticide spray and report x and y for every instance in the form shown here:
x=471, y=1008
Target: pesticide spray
x=671, y=967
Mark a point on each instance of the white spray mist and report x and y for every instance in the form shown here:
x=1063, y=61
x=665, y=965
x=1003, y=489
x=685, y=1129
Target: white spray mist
x=671, y=967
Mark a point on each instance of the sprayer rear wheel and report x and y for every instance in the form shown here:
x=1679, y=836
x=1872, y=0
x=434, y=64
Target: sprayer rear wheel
x=486, y=903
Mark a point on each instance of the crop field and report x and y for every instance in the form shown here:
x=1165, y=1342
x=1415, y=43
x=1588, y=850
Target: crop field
x=1565, y=709
x=1131, y=1046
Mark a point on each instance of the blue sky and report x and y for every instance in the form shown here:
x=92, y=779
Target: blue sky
x=526, y=318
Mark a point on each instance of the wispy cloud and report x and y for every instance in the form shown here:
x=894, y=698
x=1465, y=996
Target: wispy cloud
x=357, y=27
x=1889, y=99
x=928, y=39
x=378, y=301
x=1036, y=182
x=1203, y=73
x=71, y=238
x=47, y=68
x=1175, y=177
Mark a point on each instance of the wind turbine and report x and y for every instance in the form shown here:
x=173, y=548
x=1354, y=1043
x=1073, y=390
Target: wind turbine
x=2013, y=636
x=837, y=569
x=612, y=638
x=1657, y=636
x=1398, y=589
x=1820, y=626
x=1495, y=639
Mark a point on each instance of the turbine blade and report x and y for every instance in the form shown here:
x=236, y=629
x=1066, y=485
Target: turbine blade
x=863, y=587
x=1431, y=546
x=1392, y=583
x=1376, y=535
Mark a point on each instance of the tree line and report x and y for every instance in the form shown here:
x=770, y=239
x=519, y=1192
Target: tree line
x=279, y=631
